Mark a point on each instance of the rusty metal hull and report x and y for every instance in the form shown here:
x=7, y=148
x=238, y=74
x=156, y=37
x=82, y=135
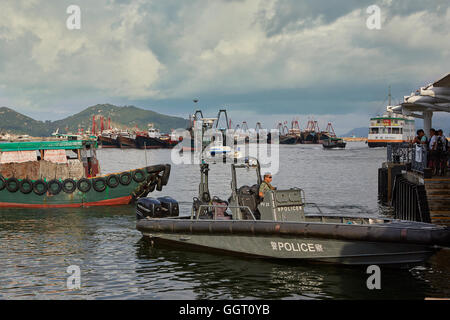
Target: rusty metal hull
x=326, y=242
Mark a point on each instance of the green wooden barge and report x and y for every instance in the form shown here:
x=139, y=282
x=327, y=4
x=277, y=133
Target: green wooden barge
x=31, y=178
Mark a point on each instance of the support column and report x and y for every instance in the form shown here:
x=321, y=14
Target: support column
x=427, y=115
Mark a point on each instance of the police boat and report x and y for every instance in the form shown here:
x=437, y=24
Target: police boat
x=278, y=226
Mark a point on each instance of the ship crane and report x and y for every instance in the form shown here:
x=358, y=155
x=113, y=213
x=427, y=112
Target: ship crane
x=258, y=126
x=330, y=130
x=244, y=126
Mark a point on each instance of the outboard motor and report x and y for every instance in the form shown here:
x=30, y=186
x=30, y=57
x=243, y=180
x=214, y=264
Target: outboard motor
x=169, y=207
x=148, y=207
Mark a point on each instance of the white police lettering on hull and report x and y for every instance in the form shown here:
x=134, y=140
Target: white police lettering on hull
x=296, y=247
x=291, y=208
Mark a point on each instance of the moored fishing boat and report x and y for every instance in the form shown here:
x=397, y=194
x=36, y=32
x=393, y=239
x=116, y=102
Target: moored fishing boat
x=333, y=142
x=153, y=139
x=108, y=139
x=278, y=226
x=66, y=173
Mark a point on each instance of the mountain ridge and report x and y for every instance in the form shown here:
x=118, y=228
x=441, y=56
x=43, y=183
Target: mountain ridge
x=122, y=117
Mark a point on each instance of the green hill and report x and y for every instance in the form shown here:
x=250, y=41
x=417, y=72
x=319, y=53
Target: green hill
x=121, y=117
x=17, y=123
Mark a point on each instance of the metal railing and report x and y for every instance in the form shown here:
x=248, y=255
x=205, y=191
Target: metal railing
x=406, y=153
x=197, y=215
x=419, y=158
x=399, y=152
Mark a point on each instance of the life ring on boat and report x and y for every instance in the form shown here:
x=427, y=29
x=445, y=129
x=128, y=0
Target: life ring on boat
x=26, y=186
x=125, y=178
x=84, y=185
x=112, y=181
x=54, y=187
x=99, y=184
x=138, y=175
x=40, y=190
x=69, y=186
x=2, y=183
x=12, y=184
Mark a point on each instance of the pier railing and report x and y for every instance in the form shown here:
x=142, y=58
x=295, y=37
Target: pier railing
x=420, y=158
x=413, y=155
x=399, y=152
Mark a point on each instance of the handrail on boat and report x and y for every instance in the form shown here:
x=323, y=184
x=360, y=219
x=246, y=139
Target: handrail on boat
x=219, y=206
x=315, y=205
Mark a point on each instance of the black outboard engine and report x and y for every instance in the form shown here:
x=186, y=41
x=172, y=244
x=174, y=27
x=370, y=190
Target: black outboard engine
x=148, y=207
x=169, y=207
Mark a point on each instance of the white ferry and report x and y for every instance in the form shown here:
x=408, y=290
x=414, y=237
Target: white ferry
x=390, y=128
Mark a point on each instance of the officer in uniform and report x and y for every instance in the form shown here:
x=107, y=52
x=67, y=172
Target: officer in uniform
x=265, y=185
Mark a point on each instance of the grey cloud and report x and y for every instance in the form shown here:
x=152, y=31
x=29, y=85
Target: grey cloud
x=294, y=15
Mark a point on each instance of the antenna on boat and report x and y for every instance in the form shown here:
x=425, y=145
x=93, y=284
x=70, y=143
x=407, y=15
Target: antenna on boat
x=145, y=152
x=389, y=95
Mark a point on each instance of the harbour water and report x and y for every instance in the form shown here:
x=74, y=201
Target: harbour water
x=37, y=246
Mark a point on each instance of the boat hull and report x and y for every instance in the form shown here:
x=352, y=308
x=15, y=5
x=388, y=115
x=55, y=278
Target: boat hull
x=295, y=248
x=335, y=243
x=107, y=142
x=126, y=142
x=119, y=195
x=144, y=142
x=335, y=145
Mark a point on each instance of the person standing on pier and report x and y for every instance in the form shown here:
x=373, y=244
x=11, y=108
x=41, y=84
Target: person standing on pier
x=434, y=154
x=441, y=147
x=421, y=138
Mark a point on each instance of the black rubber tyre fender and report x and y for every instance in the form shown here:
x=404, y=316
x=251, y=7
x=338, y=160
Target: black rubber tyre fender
x=26, y=186
x=97, y=187
x=125, y=178
x=84, y=185
x=69, y=186
x=112, y=181
x=2, y=183
x=15, y=182
x=53, y=190
x=40, y=183
x=138, y=175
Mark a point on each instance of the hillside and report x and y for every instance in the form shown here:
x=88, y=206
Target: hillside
x=17, y=123
x=121, y=117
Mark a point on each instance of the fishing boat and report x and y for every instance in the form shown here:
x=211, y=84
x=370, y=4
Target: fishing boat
x=66, y=173
x=108, y=139
x=333, y=142
x=153, y=139
x=279, y=227
x=126, y=139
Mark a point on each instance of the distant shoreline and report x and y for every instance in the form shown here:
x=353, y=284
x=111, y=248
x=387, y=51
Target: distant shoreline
x=351, y=139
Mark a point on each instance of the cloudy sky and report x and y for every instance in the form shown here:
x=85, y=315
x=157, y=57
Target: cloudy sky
x=265, y=60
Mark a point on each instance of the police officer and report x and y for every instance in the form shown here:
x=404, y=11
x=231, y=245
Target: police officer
x=265, y=185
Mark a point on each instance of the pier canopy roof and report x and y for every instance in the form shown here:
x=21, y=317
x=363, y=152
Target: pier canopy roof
x=434, y=97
